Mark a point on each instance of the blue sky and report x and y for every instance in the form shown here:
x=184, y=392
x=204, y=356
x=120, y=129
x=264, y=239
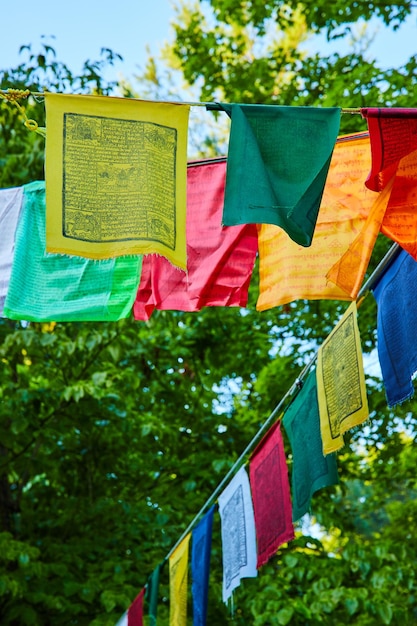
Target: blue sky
x=82, y=27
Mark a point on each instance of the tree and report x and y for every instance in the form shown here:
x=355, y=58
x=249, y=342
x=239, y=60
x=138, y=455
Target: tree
x=114, y=435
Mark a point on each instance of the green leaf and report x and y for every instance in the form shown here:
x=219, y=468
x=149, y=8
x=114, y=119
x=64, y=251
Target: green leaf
x=384, y=611
x=284, y=616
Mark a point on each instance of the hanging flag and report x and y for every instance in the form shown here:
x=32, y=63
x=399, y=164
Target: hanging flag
x=49, y=287
x=277, y=165
x=135, y=611
x=178, y=584
x=200, y=564
x=397, y=327
x=393, y=134
x=271, y=495
x=10, y=206
x=219, y=260
x=349, y=272
x=341, y=382
x=311, y=470
x=151, y=595
x=287, y=271
x=400, y=219
x=116, y=177
x=238, y=533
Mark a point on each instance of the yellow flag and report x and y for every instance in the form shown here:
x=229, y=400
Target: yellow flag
x=289, y=271
x=178, y=581
x=341, y=382
x=115, y=177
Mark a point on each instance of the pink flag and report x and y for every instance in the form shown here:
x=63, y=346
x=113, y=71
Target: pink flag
x=271, y=495
x=220, y=259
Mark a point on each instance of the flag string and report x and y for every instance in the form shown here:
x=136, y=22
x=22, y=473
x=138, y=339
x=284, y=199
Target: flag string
x=296, y=386
x=20, y=94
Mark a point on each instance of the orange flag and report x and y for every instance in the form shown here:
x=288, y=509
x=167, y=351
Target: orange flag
x=289, y=271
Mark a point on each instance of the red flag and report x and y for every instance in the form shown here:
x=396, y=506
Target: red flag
x=220, y=259
x=271, y=495
x=393, y=135
x=135, y=612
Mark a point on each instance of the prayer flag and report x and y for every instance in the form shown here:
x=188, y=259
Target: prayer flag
x=178, y=584
x=219, y=260
x=400, y=219
x=395, y=294
x=311, y=470
x=135, y=612
x=151, y=596
x=50, y=287
x=200, y=563
x=115, y=177
x=10, y=206
x=393, y=134
x=341, y=382
x=277, y=165
x=348, y=273
x=271, y=495
x=238, y=533
x=288, y=271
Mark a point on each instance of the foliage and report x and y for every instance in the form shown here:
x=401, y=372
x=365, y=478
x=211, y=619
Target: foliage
x=112, y=436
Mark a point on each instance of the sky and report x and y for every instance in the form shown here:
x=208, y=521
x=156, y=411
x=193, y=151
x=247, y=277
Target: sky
x=82, y=27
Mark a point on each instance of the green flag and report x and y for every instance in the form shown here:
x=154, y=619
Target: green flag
x=53, y=287
x=152, y=589
x=277, y=165
x=311, y=470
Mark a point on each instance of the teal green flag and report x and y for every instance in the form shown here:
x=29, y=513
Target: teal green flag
x=53, y=287
x=311, y=470
x=152, y=592
x=277, y=165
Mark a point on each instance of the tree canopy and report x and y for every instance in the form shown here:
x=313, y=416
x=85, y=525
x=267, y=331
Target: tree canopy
x=113, y=435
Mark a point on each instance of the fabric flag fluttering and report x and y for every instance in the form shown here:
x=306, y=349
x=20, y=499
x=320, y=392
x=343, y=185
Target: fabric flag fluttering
x=51, y=287
x=178, y=583
x=311, y=469
x=152, y=592
x=349, y=272
x=277, y=164
x=287, y=271
x=395, y=294
x=135, y=611
x=271, y=495
x=219, y=260
x=200, y=567
x=341, y=386
x=10, y=205
x=237, y=532
x=393, y=134
x=115, y=177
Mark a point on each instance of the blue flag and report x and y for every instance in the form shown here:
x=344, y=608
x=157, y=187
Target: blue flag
x=200, y=564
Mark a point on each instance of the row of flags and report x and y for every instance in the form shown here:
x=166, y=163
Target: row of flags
x=78, y=248
x=258, y=507
x=108, y=224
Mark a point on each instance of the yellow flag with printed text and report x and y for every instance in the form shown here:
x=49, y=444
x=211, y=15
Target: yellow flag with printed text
x=341, y=382
x=116, y=173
